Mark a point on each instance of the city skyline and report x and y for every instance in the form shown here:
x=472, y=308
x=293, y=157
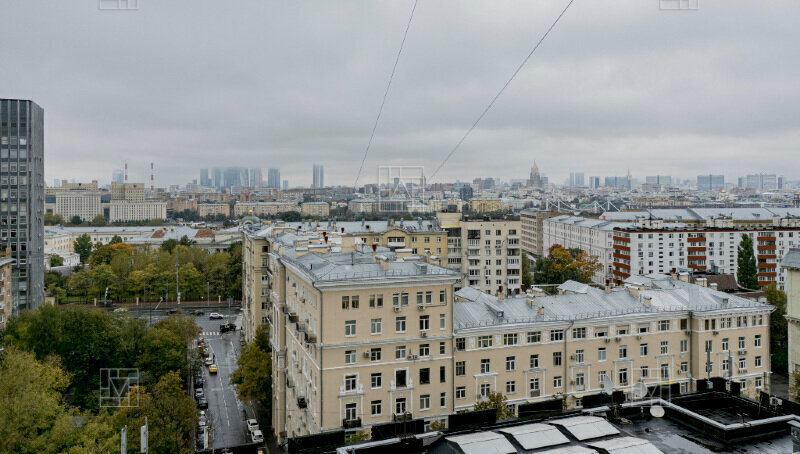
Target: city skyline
x=535, y=119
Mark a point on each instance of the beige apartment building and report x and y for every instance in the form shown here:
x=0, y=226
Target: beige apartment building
x=363, y=337
x=791, y=267
x=486, y=205
x=123, y=211
x=261, y=209
x=318, y=209
x=205, y=210
x=6, y=294
x=532, y=232
x=129, y=192
x=486, y=251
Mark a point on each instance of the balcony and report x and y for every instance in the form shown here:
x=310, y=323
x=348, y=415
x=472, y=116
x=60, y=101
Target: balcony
x=301, y=327
x=301, y=402
x=396, y=243
x=359, y=389
x=408, y=385
x=293, y=317
x=311, y=338
x=536, y=392
x=402, y=417
x=351, y=423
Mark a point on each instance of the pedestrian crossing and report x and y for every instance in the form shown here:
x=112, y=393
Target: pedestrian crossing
x=209, y=333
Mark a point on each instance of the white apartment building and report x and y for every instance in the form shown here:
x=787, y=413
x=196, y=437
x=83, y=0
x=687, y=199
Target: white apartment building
x=123, y=211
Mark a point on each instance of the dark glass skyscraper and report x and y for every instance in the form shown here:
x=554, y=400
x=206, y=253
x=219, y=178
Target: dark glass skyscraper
x=22, y=198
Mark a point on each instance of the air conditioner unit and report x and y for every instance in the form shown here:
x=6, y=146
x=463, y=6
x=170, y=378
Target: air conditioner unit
x=421, y=307
x=608, y=339
x=367, y=355
x=617, y=338
x=774, y=401
x=681, y=371
x=715, y=332
x=572, y=382
x=742, y=352
x=424, y=334
x=639, y=337
x=572, y=357
x=742, y=371
x=397, y=308
x=412, y=357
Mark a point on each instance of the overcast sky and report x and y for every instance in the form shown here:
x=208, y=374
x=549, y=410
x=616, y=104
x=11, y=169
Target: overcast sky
x=269, y=83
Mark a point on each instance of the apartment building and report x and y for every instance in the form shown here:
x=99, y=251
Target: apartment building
x=261, y=209
x=655, y=331
x=318, y=209
x=129, y=192
x=124, y=211
x=486, y=205
x=709, y=217
x=6, y=294
x=76, y=199
x=659, y=248
x=486, y=250
x=791, y=265
x=206, y=210
x=532, y=232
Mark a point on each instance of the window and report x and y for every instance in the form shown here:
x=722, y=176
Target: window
x=400, y=378
x=663, y=325
x=443, y=400
x=644, y=371
x=623, y=351
x=742, y=364
x=579, y=356
x=580, y=382
x=684, y=367
x=442, y=321
x=424, y=322
x=664, y=347
x=709, y=346
x=400, y=352
x=623, y=377
x=534, y=361
x=556, y=358
x=486, y=366
x=400, y=406
x=511, y=363
x=511, y=387
x=510, y=339
x=425, y=376
x=376, y=407
x=644, y=329
x=579, y=333
x=442, y=374
x=601, y=332
x=350, y=328
x=425, y=350
x=533, y=386
x=461, y=392
x=376, y=326
x=345, y=302
x=725, y=345
x=556, y=335
x=425, y=402
x=534, y=337
x=351, y=411
x=442, y=348
x=375, y=354
x=486, y=388
x=460, y=368
x=461, y=344
x=665, y=371
x=757, y=341
x=376, y=301
x=376, y=380
x=354, y=302
x=759, y=382
x=741, y=343
x=484, y=341
x=350, y=382
x=642, y=350
x=622, y=330
x=419, y=298
x=400, y=324
x=350, y=356
x=684, y=345
x=601, y=354
x=684, y=324
x=557, y=382
x=758, y=361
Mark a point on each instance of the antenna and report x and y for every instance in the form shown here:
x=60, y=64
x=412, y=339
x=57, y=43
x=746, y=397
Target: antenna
x=639, y=390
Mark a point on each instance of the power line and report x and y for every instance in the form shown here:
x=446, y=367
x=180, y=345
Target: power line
x=385, y=94
x=508, y=82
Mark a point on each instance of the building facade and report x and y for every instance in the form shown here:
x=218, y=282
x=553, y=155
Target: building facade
x=206, y=210
x=532, y=232
x=791, y=266
x=319, y=176
x=77, y=199
x=318, y=209
x=124, y=211
x=22, y=198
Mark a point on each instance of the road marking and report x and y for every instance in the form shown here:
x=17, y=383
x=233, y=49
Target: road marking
x=224, y=402
x=209, y=333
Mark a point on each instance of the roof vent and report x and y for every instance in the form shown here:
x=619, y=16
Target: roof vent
x=648, y=301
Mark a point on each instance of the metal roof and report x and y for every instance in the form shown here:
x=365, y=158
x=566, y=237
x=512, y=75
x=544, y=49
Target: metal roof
x=483, y=443
x=791, y=259
x=586, y=427
x=575, y=449
x=535, y=436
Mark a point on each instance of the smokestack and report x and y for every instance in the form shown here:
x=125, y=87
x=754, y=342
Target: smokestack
x=152, y=185
x=126, y=172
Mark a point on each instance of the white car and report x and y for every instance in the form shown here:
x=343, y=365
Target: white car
x=252, y=425
x=215, y=316
x=257, y=436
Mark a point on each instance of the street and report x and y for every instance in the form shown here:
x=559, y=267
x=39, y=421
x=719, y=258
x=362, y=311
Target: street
x=226, y=415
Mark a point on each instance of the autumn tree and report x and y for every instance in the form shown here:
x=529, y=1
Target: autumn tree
x=562, y=265
x=746, y=270
x=495, y=401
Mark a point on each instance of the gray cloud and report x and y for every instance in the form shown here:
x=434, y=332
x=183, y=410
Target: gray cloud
x=618, y=84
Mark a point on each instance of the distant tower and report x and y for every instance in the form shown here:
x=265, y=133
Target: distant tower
x=126, y=172
x=535, y=179
x=319, y=176
x=118, y=176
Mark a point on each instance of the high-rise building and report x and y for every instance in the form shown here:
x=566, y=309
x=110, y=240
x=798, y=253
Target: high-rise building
x=204, y=178
x=761, y=182
x=535, y=179
x=576, y=179
x=216, y=175
x=594, y=182
x=22, y=210
x=319, y=176
x=256, y=178
x=118, y=176
x=710, y=182
x=285, y=184
x=662, y=180
x=274, y=178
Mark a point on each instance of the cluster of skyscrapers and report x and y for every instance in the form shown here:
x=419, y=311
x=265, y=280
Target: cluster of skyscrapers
x=229, y=177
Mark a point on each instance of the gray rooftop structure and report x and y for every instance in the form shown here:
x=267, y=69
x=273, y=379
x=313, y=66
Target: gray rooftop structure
x=791, y=259
x=653, y=293
x=699, y=214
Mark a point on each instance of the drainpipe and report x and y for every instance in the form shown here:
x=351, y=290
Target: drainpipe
x=564, y=380
x=691, y=348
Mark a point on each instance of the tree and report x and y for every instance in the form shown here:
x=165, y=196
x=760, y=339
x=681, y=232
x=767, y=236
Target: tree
x=746, y=270
x=99, y=220
x=56, y=260
x=562, y=265
x=253, y=375
x=53, y=219
x=497, y=402
x=291, y=216
x=437, y=425
x=527, y=279
x=83, y=246
x=778, y=328
x=76, y=220
x=115, y=240
x=169, y=245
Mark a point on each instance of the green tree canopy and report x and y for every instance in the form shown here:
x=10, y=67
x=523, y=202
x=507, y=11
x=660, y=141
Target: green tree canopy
x=53, y=219
x=746, y=270
x=495, y=401
x=779, y=330
x=76, y=220
x=253, y=375
x=99, y=220
x=83, y=246
x=115, y=240
x=56, y=260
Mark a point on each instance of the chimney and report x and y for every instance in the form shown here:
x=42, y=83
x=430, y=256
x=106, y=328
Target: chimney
x=683, y=276
x=540, y=310
x=714, y=285
x=701, y=281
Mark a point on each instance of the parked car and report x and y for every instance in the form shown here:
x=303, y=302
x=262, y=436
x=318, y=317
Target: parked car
x=252, y=425
x=198, y=312
x=120, y=309
x=202, y=403
x=198, y=382
x=257, y=436
x=198, y=393
x=215, y=316
x=212, y=369
x=209, y=361
x=174, y=310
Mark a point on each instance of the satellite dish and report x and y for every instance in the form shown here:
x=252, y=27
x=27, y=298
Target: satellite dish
x=607, y=384
x=657, y=411
x=639, y=390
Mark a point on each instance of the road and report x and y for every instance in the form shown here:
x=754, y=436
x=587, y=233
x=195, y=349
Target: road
x=226, y=413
